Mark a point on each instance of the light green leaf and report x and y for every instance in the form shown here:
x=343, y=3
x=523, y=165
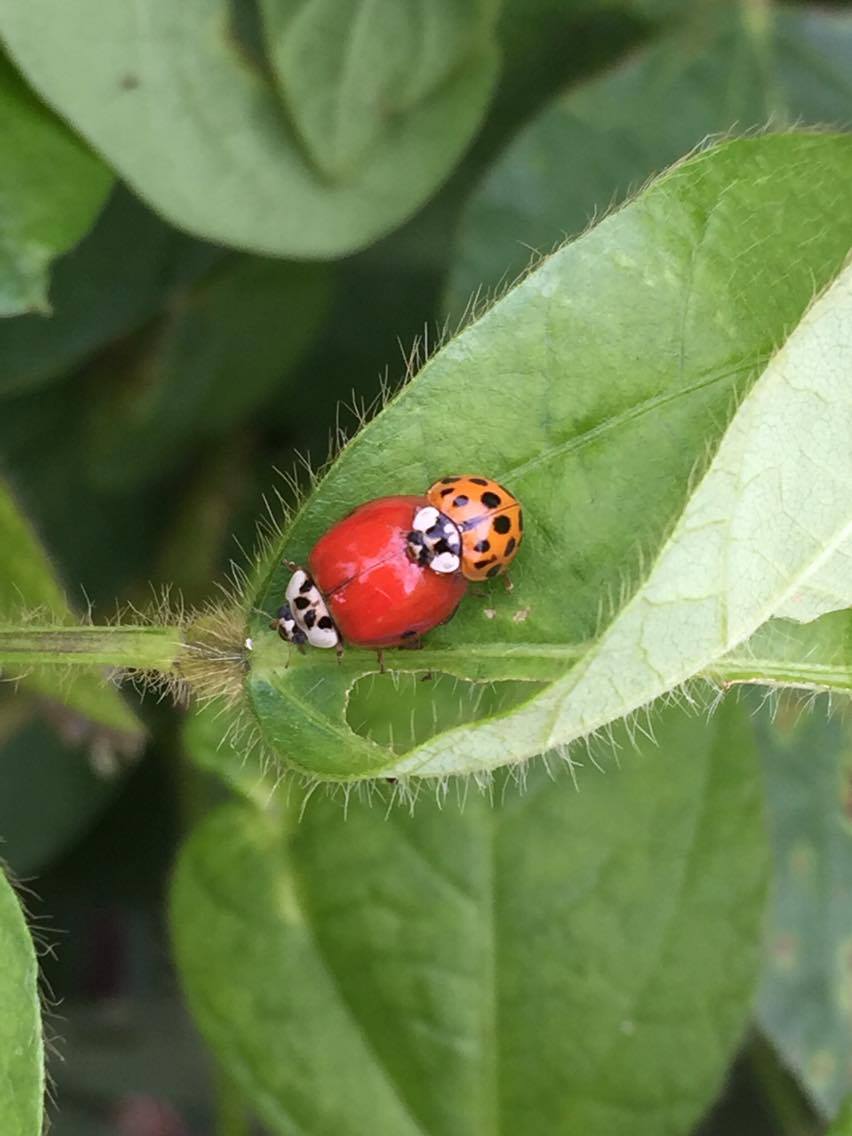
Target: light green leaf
x=552, y=962
x=29, y=591
x=595, y=390
x=348, y=68
x=21, y=1048
x=173, y=100
x=51, y=189
x=733, y=66
x=806, y=989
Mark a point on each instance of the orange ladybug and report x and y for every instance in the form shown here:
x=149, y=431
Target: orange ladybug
x=470, y=524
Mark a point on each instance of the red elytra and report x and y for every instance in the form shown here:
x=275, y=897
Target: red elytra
x=376, y=595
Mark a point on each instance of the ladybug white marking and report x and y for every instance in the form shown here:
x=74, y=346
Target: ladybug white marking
x=288, y=628
x=434, y=541
x=310, y=612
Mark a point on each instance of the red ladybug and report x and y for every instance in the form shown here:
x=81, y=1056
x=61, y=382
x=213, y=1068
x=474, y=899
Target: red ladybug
x=363, y=585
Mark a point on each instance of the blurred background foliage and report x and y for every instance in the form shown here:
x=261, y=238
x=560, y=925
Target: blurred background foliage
x=162, y=356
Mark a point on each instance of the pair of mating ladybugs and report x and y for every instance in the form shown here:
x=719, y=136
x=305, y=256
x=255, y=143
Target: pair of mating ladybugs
x=398, y=566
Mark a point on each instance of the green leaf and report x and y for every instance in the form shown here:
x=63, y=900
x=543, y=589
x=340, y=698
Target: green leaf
x=116, y=278
x=29, y=591
x=806, y=989
x=843, y=1124
x=222, y=350
x=50, y=790
x=348, y=68
x=51, y=189
x=813, y=656
x=726, y=70
x=21, y=1048
x=178, y=106
x=219, y=741
x=554, y=962
x=596, y=390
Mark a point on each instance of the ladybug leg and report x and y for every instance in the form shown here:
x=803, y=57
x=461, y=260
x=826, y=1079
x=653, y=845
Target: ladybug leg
x=338, y=650
x=380, y=656
x=413, y=642
x=426, y=677
x=507, y=583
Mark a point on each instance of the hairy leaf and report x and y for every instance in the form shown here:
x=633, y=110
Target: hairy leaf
x=21, y=1048
x=552, y=962
x=807, y=984
x=187, y=115
x=51, y=189
x=596, y=389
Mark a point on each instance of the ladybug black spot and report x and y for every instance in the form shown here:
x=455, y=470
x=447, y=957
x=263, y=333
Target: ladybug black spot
x=442, y=546
x=301, y=602
x=307, y=584
x=520, y=520
x=492, y=572
x=490, y=500
x=510, y=546
x=478, y=481
x=502, y=525
x=480, y=564
x=461, y=501
x=414, y=537
x=482, y=546
x=449, y=480
x=310, y=618
x=326, y=623
x=446, y=492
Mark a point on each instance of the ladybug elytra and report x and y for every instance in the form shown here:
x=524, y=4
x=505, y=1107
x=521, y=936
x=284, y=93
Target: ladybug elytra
x=396, y=567
x=361, y=580
x=488, y=521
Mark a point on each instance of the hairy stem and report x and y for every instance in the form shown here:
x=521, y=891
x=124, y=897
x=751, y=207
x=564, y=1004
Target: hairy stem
x=800, y=675
x=130, y=648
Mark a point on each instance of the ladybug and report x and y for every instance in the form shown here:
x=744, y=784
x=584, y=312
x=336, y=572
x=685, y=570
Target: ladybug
x=363, y=586
x=469, y=524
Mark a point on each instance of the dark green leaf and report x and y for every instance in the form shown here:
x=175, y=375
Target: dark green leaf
x=116, y=278
x=50, y=790
x=597, y=142
x=554, y=962
x=221, y=351
x=807, y=985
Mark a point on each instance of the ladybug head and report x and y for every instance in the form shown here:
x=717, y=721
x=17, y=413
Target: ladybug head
x=434, y=541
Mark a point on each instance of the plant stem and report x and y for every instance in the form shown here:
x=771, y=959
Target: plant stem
x=764, y=672
x=131, y=648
